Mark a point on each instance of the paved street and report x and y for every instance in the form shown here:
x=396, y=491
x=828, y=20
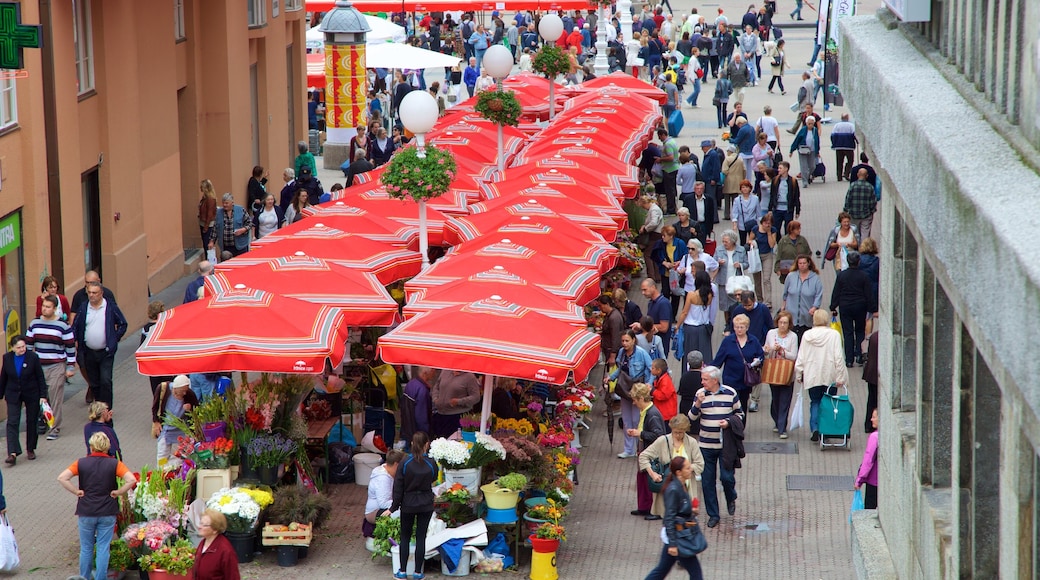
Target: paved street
x=776, y=533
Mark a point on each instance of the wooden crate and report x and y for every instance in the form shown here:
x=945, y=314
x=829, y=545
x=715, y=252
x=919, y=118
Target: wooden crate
x=301, y=537
x=210, y=481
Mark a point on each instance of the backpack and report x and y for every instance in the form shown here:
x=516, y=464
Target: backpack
x=681, y=79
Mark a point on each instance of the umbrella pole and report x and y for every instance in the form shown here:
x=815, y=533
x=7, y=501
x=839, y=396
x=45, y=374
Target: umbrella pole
x=501, y=154
x=424, y=241
x=485, y=407
x=552, y=99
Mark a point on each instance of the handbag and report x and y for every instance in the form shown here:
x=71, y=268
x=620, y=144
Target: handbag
x=624, y=385
x=804, y=150
x=777, y=370
x=739, y=283
x=777, y=158
x=690, y=539
x=9, y=559
x=751, y=376
x=831, y=254
x=659, y=469
x=754, y=261
x=710, y=245
x=797, y=412
x=676, y=283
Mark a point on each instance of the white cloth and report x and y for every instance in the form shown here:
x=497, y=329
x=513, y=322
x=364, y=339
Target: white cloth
x=768, y=124
x=94, y=332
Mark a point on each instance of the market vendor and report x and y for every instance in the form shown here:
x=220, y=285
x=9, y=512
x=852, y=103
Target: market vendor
x=171, y=399
x=454, y=394
x=380, y=491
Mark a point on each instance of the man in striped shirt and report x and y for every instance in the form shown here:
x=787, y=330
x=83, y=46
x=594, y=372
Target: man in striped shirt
x=715, y=404
x=55, y=344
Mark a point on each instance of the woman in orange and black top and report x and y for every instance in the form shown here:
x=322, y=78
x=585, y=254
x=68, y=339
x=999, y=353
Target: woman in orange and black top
x=413, y=495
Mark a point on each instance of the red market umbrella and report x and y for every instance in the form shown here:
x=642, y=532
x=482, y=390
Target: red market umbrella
x=493, y=337
x=558, y=244
x=244, y=330
x=498, y=285
x=400, y=210
x=470, y=136
x=600, y=190
x=551, y=198
x=359, y=222
x=387, y=262
x=579, y=284
x=460, y=229
x=547, y=207
x=620, y=80
x=360, y=295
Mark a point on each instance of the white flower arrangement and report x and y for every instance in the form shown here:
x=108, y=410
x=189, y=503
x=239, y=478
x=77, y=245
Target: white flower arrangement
x=451, y=454
x=241, y=509
x=491, y=444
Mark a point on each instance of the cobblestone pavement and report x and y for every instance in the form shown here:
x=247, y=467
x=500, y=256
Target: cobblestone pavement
x=776, y=533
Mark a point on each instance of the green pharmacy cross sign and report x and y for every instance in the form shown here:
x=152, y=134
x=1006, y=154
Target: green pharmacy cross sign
x=14, y=36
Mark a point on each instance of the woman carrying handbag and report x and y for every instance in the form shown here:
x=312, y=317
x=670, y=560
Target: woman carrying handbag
x=681, y=534
x=781, y=349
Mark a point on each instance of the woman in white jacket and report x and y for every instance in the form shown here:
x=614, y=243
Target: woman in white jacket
x=820, y=364
x=380, y=491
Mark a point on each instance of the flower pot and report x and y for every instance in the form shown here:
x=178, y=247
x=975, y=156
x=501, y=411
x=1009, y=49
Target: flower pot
x=213, y=431
x=499, y=498
x=543, y=546
x=246, y=472
x=303, y=551
x=470, y=436
x=243, y=544
x=164, y=575
x=533, y=523
x=469, y=478
x=268, y=475
x=116, y=574
x=288, y=555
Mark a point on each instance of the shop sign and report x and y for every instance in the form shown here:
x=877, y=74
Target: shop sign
x=10, y=233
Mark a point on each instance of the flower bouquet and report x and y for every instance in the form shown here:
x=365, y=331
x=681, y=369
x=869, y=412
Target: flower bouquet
x=148, y=536
x=213, y=454
x=161, y=496
x=550, y=512
x=457, y=493
x=556, y=437
x=239, y=507
x=464, y=455
x=521, y=427
x=317, y=410
x=469, y=423
x=270, y=450
x=550, y=531
x=177, y=559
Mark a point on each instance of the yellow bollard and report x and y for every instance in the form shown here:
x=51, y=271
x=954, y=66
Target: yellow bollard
x=543, y=566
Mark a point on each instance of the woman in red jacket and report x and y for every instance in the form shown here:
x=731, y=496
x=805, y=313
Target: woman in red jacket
x=215, y=557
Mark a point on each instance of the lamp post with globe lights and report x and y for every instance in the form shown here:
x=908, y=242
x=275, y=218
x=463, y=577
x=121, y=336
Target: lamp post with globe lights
x=498, y=61
x=415, y=172
x=550, y=27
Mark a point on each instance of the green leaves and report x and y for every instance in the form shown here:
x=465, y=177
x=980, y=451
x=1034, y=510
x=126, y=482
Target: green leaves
x=409, y=176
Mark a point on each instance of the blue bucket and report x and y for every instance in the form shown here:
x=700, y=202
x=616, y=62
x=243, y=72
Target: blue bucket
x=506, y=516
x=470, y=436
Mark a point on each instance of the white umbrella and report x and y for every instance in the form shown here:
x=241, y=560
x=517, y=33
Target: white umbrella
x=382, y=31
x=392, y=55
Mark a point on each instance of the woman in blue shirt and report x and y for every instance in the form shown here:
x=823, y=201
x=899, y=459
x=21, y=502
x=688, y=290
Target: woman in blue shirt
x=736, y=350
x=480, y=40
x=636, y=363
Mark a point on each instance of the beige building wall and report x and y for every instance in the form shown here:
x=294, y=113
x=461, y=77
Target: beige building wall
x=164, y=114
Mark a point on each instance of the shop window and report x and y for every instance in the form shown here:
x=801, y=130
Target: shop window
x=12, y=282
x=8, y=103
x=83, y=41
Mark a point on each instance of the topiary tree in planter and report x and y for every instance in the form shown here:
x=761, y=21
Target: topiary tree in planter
x=501, y=108
x=551, y=61
x=420, y=173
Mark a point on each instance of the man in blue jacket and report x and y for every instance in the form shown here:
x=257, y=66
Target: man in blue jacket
x=234, y=226
x=99, y=326
x=711, y=170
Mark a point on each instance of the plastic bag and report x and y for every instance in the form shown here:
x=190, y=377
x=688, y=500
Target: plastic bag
x=47, y=413
x=836, y=325
x=499, y=546
x=754, y=261
x=9, y=560
x=857, y=503
x=797, y=412
x=211, y=255
x=492, y=564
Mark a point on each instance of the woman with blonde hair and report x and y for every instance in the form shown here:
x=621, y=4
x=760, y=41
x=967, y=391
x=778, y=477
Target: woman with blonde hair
x=781, y=342
x=207, y=213
x=650, y=427
x=820, y=364
x=650, y=232
x=678, y=443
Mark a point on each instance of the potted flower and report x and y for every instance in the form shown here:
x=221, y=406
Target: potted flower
x=541, y=513
x=120, y=558
x=454, y=506
x=546, y=539
x=504, y=492
x=240, y=507
x=145, y=537
x=463, y=461
x=469, y=424
x=170, y=562
x=267, y=453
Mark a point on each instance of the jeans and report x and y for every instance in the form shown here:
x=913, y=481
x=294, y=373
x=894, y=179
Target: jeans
x=630, y=419
x=720, y=110
x=753, y=73
x=420, y=522
x=667, y=562
x=815, y=50
x=780, y=406
x=98, y=365
x=95, y=532
x=797, y=10
x=780, y=219
x=728, y=477
x=853, y=324
x=479, y=53
x=692, y=99
x=202, y=386
x=815, y=396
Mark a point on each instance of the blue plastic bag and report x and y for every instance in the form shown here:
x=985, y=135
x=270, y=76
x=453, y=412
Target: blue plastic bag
x=500, y=545
x=677, y=344
x=857, y=503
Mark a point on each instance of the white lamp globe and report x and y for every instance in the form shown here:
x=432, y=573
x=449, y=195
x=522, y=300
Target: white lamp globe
x=498, y=61
x=550, y=27
x=418, y=112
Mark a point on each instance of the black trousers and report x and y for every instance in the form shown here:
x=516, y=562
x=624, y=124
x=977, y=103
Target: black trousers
x=844, y=163
x=668, y=188
x=14, y=418
x=443, y=425
x=869, y=496
x=98, y=365
x=780, y=406
x=420, y=522
x=853, y=326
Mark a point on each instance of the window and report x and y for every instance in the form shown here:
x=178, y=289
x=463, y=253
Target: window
x=257, y=12
x=291, y=5
x=276, y=8
x=8, y=103
x=178, y=19
x=83, y=41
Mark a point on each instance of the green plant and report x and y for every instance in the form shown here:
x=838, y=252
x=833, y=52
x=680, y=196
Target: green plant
x=213, y=410
x=513, y=481
x=119, y=555
x=499, y=106
x=549, y=531
x=420, y=178
x=386, y=528
x=176, y=559
x=550, y=60
x=293, y=503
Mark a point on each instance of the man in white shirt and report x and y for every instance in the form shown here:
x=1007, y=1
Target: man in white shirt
x=768, y=124
x=99, y=326
x=843, y=142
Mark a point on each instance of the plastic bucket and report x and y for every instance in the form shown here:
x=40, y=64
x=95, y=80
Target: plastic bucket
x=461, y=570
x=504, y=516
x=395, y=558
x=499, y=498
x=364, y=463
x=288, y=556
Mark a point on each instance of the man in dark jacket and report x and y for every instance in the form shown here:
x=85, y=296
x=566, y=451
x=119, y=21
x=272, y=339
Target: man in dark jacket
x=22, y=382
x=356, y=167
x=852, y=299
x=99, y=326
x=690, y=382
x=417, y=405
x=785, y=200
x=711, y=170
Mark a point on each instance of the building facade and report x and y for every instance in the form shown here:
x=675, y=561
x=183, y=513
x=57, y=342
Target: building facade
x=950, y=110
x=128, y=105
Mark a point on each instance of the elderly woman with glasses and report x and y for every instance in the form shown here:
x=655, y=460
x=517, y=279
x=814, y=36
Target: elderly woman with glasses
x=732, y=259
x=678, y=443
x=215, y=558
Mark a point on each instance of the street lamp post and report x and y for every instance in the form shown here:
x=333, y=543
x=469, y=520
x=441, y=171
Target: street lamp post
x=345, y=79
x=601, y=65
x=498, y=61
x=550, y=28
x=418, y=113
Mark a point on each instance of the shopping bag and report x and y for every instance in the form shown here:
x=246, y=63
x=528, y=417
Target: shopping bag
x=754, y=261
x=778, y=371
x=709, y=244
x=47, y=413
x=836, y=325
x=676, y=283
x=9, y=560
x=844, y=256
x=797, y=412
x=857, y=503
x=211, y=255
x=737, y=284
